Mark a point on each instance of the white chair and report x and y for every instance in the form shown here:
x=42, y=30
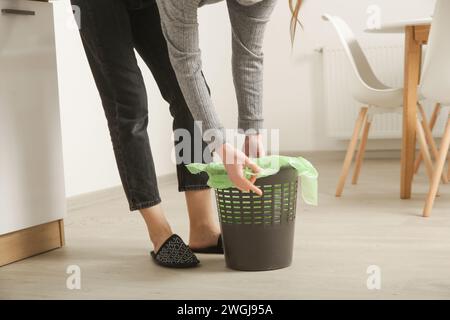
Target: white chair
x=435, y=85
x=377, y=97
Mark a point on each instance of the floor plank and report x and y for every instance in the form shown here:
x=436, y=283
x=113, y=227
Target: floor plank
x=335, y=244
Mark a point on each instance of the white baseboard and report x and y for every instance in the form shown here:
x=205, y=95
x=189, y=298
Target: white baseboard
x=104, y=195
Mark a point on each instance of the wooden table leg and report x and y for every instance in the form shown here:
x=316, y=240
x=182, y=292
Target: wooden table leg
x=413, y=55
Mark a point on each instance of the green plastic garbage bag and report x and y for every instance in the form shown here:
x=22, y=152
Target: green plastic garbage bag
x=270, y=165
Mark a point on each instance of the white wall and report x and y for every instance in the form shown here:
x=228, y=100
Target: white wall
x=293, y=90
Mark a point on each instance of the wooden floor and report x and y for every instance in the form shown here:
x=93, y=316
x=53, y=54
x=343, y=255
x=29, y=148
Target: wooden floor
x=335, y=244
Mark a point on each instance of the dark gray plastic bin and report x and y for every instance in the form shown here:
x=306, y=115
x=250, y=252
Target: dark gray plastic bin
x=258, y=232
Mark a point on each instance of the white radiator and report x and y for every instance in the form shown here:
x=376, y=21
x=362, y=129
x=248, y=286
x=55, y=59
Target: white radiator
x=342, y=110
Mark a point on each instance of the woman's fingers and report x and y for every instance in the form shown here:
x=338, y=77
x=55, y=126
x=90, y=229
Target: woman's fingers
x=242, y=183
x=248, y=185
x=251, y=183
x=253, y=188
x=253, y=166
x=245, y=186
x=235, y=169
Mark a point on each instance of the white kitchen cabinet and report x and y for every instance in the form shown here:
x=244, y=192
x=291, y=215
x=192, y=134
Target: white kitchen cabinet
x=31, y=165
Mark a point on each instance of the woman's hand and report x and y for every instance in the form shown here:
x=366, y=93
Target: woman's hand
x=253, y=146
x=235, y=161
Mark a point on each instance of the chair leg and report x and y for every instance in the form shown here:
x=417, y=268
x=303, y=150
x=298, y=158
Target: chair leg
x=430, y=139
x=445, y=144
x=361, y=150
x=448, y=169
x=424, y=149
x=350, y=151
x=434, y=117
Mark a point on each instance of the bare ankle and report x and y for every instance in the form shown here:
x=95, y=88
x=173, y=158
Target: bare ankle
x=157, y=225
x=204, y=236
x=159, y=237
x=204, y=227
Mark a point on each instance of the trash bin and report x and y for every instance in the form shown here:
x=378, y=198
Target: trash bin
x=258, y=232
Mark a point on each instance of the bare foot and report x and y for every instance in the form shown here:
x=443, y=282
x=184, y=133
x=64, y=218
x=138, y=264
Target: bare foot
x=204, y=229
x=203, y=237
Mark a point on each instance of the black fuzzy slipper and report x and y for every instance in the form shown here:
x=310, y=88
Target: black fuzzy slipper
x=174, y=253
x=217, y=249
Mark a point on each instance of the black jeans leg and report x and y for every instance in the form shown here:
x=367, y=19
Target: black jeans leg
x=108, y=42
x=152, y=47
x=110, y=30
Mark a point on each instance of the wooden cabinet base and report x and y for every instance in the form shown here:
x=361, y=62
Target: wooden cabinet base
x=25, y=243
